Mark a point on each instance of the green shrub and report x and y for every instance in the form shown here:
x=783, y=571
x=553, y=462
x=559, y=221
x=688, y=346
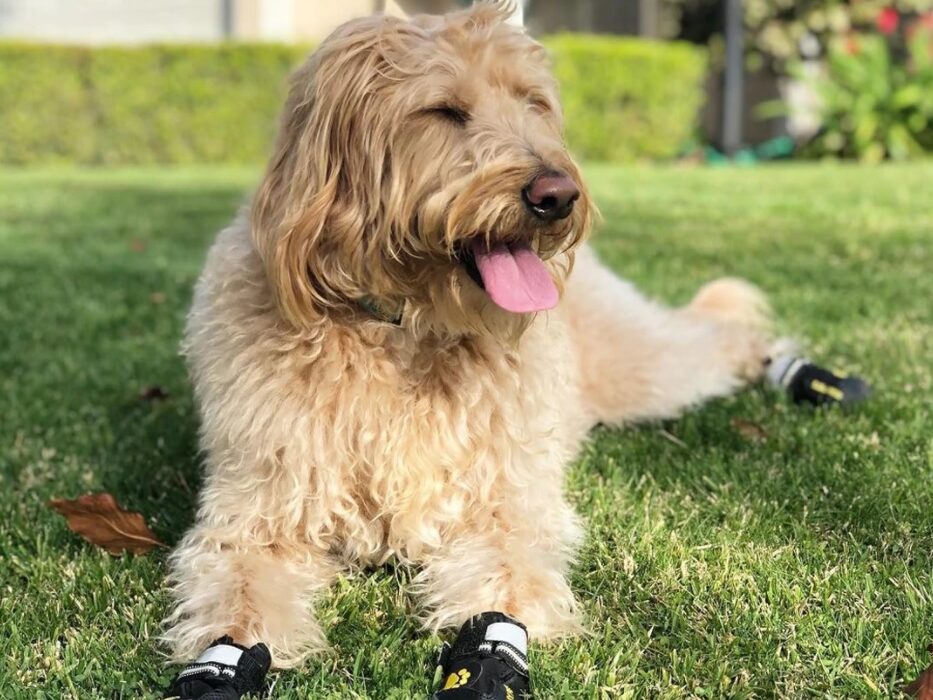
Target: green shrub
x=46, y=110
x=154, y=104
x=874, y=96
x=624, y=99
x=873, y=106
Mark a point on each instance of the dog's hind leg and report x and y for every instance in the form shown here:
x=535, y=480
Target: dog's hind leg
x=640, y=360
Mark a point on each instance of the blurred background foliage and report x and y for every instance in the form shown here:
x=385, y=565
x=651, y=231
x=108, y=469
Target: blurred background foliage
x=875, y=98
x=138, y=105
x=823, y=79
x=781, y=31
x=624, y=98
x=858, y=73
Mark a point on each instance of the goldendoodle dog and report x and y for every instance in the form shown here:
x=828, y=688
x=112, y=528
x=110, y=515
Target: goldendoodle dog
x=401, y=346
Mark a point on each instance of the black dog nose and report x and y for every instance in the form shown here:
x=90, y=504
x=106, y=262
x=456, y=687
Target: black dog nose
x=551, y=196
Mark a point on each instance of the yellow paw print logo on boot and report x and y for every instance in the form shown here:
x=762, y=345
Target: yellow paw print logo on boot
x=457, y=679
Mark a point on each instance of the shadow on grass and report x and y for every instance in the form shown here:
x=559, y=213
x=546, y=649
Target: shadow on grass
x=93, y=288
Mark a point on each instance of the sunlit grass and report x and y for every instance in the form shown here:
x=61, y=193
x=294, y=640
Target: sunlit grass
x=715, y=567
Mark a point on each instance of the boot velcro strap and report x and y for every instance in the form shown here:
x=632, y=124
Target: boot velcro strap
x=226, y=663
x=216, y=661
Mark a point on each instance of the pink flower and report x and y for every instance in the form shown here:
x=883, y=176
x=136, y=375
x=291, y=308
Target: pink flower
x=887, y=21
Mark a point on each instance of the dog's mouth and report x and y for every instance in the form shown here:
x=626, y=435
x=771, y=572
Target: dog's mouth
x=511, y=273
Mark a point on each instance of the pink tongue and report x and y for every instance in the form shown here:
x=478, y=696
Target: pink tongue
x=515, y=278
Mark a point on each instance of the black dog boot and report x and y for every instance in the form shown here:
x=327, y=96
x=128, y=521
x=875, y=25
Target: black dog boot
x=488, y=661
x=225, y=671
x=806, y=382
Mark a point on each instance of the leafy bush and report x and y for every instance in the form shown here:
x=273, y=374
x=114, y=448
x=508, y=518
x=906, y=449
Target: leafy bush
x=154, y=104
x=628, y=98
x=624, y=98
x=876, y=98
x=781, y=31
x=46, y=110
x=782, y=28
x=181, y=104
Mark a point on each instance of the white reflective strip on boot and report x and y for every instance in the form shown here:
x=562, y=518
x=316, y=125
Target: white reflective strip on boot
x=784, y=368
x=224, y=654
x=508, y=633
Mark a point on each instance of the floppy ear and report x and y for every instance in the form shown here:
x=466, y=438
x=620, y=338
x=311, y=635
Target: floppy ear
x=319, y=201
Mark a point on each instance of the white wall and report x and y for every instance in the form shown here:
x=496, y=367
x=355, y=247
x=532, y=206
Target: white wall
x=277, y=20
x=112, y=21
x=144, y=21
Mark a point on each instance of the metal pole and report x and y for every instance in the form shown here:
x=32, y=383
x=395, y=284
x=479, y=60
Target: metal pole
x=732, y=98
x=226, y=18
x=584, y=16
x=648, y=18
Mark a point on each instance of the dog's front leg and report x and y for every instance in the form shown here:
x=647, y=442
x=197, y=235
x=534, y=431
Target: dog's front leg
x=513, y=559
x=249, y=600
x=503, y=574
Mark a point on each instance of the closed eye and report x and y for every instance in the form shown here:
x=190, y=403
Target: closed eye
x=451, y=113
x=540, y=104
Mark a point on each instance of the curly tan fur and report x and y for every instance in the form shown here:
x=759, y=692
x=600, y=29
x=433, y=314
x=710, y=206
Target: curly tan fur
x=334, y=439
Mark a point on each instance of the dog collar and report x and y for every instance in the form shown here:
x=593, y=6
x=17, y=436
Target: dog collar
x=380, y=312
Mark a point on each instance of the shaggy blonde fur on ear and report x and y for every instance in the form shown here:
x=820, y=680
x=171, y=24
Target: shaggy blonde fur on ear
x=333, y=440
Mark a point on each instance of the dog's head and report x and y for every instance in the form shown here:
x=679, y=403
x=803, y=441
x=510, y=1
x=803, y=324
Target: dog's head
x=421, y=163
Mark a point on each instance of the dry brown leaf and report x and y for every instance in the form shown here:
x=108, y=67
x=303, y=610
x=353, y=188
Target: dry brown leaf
x=153, y=392
x=922, y=688
x=749, y=430
x=99, y=519
x=157, y=297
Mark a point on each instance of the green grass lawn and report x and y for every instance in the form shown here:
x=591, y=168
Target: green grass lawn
x=715, y=566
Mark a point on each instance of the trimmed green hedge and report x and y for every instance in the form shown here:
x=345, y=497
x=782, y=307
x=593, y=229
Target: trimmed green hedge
x=624, y=99
x=154, y=104
x=627, y=99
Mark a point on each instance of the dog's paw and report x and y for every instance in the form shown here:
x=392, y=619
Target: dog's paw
x=735, y=301
x=225, y=671
x=487, y=661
